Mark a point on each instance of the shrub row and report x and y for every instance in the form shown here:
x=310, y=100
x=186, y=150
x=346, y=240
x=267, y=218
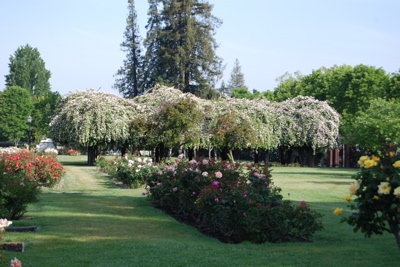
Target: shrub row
x=231, y=202
x=22, y=174
x=131, y=171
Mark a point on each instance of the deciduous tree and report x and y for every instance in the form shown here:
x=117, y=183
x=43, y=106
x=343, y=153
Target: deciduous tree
x=28, y=70
x=94, y=120
x=15, y=108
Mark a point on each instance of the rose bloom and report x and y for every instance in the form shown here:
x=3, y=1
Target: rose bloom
x=397, y=192
x=396, y=164
x=362, y=160
x=204, y=162
x=218, y=174
x=215, y=184
x=384, y=188
x=347, y=198
x=354, y=187
x=370, y=163
x=338, y=211
x=376, y=197
x=205, y=174
x=4, y=223
x=15, y=263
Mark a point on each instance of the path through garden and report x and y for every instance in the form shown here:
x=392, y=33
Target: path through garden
x=89, y=221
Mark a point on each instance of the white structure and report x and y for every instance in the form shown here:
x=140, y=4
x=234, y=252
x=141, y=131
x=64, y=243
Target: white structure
x=45, y=144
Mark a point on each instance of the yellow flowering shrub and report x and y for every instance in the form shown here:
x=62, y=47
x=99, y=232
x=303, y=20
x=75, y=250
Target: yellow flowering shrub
x=376, y=191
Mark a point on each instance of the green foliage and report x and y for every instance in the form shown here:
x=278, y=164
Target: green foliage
x=179, y=123
x=27, y=70
x=231, y=202
x=44, y=109
x=377, y=196
x=22, y=174
x=232, y=131
x=376, y=126
x=15, y=108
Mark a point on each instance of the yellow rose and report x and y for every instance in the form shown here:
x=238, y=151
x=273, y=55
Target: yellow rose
x=376, y=197
x=396, y=164
x=370, y=163
x=375, y=158
x=362, y=160
x=347, y=198
x=384, y=188
x=338, y=211
x=397, y=192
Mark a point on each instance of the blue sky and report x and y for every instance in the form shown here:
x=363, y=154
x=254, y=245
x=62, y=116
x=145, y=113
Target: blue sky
x=80, y=40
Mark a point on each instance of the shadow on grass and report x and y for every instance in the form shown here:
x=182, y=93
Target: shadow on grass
x=318, y=172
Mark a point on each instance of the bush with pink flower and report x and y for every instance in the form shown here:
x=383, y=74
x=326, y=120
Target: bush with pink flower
x=374, y=196
x=231, y=202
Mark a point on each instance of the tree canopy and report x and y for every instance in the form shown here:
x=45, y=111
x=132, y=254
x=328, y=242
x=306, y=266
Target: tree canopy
x=93, y=119
x=377, y=126
x=28, y=70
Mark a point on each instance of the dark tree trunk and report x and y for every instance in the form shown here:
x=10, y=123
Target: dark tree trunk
x=266, y=159
x=224, y=154
x=256, y=156
x=92, y=154
x=190, y=153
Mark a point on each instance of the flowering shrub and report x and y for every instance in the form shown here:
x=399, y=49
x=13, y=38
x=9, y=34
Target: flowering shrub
x=231, y=202
x=131, y=171
x=376, y=192
x=22, y=174
x=73, y=152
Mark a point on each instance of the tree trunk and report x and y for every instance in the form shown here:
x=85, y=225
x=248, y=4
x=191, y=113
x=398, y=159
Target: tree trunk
x=256, y=156
x=92, y=154
x=266, y=159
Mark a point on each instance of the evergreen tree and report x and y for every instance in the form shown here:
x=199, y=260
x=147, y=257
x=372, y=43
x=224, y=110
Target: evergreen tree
x=129, y=75
x=237, y=77
x=182, y=45
x=152, y=44
x=27, y=70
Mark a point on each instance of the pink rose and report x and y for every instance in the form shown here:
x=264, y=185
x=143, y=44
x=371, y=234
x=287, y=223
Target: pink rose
x=218, y=174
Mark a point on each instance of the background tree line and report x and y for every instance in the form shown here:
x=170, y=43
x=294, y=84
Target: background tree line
x=179, y=49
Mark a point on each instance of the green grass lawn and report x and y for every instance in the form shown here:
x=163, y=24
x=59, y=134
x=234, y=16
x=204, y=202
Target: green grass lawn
x=88, y=221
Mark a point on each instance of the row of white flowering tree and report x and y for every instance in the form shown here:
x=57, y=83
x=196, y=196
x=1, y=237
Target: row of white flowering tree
x=166, y=118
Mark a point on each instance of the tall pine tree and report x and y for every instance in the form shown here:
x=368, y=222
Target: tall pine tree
x=152, y=44
x=129, y=76
x=182, y=45
x=237, y=77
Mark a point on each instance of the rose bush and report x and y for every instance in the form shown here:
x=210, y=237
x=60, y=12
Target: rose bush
x=22, y=174
x=231, y=202
x=376, y=191
x=131, y=171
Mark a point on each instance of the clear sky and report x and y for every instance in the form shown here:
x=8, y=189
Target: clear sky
x=79, y=40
